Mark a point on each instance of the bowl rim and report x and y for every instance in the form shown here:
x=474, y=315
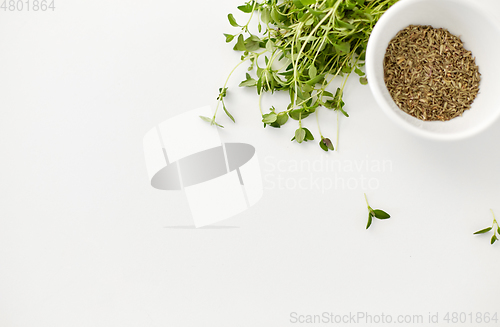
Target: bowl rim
x=377, y=89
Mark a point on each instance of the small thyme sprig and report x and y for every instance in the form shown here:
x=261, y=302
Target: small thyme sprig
x=375, y=213
x=494, y=226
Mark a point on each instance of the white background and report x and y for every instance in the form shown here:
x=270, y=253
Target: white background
x=86, y=241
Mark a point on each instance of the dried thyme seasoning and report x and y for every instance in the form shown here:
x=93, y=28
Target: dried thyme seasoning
x=429, y=73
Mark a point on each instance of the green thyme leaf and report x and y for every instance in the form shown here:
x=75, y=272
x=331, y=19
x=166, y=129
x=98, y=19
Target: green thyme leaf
x=346, y=25
x=369, y=221
x=249, y=81
x=323, y=146
x=240, y=44
x=300, y=135
x=206, y=119
x=309, y=136
x=211, y=121
x=229, y=37
x=381, y=214
x=315, y=80
x=282, y=118
x=265, y=15
x=269, y=118
x=343, y=47
x=312, y=71
x=276, y=15
x=252, y=43
x=343, y=112
x=307, y=2
x=298, y=4
x=482, y=231
x=328, y=143
x=359, y=72
x=246, y=8
x=227, y=112
x=232, y=21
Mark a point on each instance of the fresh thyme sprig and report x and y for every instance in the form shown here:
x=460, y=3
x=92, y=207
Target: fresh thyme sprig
x=375, y=213
x=494, y=226
x=302, y=46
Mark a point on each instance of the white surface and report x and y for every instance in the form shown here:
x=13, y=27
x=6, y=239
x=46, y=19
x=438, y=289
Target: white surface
x=251, y=175
x=186, y=134
x=83, y=237
x=216, y=199
x=476, y=28
x=154, y=158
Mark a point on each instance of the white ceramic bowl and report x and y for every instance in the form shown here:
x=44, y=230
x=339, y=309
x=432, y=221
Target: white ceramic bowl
x=479, y=33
